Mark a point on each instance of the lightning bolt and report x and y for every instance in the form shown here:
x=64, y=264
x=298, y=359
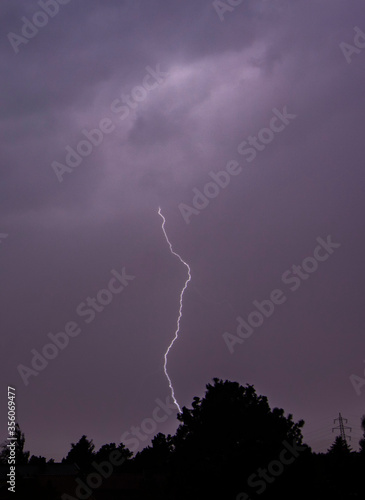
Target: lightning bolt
x=180, y=309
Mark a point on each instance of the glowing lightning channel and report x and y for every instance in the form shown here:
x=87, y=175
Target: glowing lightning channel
x=180, y=309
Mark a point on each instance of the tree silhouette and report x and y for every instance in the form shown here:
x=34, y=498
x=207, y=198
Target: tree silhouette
x=37, y=460
x=362, y=440
x=104, y=452
x=82, y=454
x=234, y=418
x=230, y=444
x=21, y=456
x=227, y=435
x=155, y=457
x=339, y=447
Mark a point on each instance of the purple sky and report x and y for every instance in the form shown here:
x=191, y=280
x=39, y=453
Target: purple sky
x=219, y=79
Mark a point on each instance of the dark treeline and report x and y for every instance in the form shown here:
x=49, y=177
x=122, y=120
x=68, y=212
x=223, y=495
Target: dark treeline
x=229, y=445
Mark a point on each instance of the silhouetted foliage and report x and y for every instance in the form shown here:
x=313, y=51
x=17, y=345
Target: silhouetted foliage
x=362, y=440
x=82, y=454
x=21, y=456
x=226, y=436
x=157, y=456
x=105, y=451
x=339, y=448
x=37, y=460
x=230, y=444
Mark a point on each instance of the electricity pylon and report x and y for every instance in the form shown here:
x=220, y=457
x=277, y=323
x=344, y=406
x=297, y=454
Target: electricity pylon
x=342, y=427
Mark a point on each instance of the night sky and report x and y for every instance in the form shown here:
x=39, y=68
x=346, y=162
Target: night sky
x=244, y=122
